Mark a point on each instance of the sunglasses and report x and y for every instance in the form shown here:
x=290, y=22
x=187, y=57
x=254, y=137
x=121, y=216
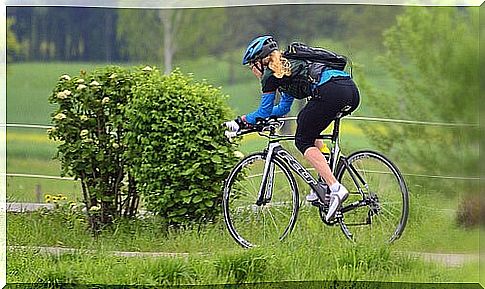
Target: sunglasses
x=253, y=64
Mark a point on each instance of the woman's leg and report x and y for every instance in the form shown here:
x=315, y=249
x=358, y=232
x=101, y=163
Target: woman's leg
x=312, y=120
x=318, y=161
x=322, y=167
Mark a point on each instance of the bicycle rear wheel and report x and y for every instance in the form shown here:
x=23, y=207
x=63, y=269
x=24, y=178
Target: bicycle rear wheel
x=252, y=224
x=378, y=203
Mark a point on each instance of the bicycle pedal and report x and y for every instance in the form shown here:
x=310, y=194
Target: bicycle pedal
x=317, y=203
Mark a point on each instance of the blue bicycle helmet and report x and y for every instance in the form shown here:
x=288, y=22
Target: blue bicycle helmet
x=259, y=48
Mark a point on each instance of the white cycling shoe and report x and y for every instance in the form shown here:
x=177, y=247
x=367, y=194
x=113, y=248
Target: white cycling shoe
x=312, y=196
x=336, y=200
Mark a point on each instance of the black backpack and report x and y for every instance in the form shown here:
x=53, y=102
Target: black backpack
x=330, y=59
x=315, y=61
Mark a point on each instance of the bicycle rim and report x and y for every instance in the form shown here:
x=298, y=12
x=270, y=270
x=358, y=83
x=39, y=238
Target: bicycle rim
x=251, y=224
x=384, y=214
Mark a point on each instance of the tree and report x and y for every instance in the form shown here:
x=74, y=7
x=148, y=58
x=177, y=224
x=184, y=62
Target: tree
x=432, y=55
x=358, y=25
x=139, y=34
x=141, y=31
x=65, y=33
x=167, y=33
x=13, y=47
x=170, y=20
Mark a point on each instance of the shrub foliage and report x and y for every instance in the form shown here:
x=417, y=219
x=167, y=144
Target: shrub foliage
x=125, y=132
x=177, y=147
x=89, y=125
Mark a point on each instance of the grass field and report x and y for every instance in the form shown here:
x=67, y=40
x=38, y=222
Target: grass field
x=234, y=267
x=27, y=100
x=301, y=256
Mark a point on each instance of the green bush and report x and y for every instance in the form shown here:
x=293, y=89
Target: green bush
x=123, y=132
x=89, y=126
x=177, y=148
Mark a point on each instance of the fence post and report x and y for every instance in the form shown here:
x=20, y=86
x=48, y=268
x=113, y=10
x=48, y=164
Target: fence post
x=38, y=193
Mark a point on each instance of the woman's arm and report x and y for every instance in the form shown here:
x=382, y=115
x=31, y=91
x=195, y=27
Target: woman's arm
x=265, y=108
x=284, y=106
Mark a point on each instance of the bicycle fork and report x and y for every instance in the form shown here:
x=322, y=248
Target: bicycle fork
x=267, y=182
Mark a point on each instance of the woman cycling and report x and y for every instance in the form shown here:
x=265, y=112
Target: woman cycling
x=335, y=91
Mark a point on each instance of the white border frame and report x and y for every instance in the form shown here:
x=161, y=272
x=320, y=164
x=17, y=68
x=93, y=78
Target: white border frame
x=141, y=4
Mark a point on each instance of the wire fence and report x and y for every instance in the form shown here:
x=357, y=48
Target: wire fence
x=354, y=118
x=404, y=121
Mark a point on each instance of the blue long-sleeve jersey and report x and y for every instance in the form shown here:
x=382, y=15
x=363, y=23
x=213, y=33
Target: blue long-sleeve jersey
x=267, y=107
x=270, y=84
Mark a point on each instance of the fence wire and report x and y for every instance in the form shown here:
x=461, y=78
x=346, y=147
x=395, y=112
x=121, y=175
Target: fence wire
x=355, y=118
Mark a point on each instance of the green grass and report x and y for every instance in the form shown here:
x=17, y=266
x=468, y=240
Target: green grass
x=432, y=227
x=431, y=231
x=377, y=264
x=34, y=190
x=301, y=257
x=30, y=84
x=29, y=144
x=310, y=247
x=29, y=151
x=27, y=100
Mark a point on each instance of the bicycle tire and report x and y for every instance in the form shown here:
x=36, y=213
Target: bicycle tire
x=249, y=224
x=386, y=213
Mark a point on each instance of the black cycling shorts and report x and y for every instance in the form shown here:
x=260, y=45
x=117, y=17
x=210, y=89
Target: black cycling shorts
x=321, y=110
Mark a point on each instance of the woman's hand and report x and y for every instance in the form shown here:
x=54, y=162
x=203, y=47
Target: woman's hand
x=257, y=69
x=237, y=124
x=232, y=125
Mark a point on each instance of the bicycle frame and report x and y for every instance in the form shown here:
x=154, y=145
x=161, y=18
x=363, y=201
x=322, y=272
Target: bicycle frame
x=274, y=148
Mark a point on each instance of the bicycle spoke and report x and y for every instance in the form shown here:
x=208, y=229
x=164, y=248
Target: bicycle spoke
x=385, y=193
x=391, y=212
x=274, y=219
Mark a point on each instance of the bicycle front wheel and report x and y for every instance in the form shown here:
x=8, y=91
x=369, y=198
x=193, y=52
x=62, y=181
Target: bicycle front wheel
x=378, y=203
x=252, y=223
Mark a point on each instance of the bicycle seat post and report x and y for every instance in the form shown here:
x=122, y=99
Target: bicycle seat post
x=336, y=127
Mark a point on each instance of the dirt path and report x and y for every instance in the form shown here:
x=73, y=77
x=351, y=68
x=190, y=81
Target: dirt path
x=449, y=260
x=27, y=207
x=62, y=250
